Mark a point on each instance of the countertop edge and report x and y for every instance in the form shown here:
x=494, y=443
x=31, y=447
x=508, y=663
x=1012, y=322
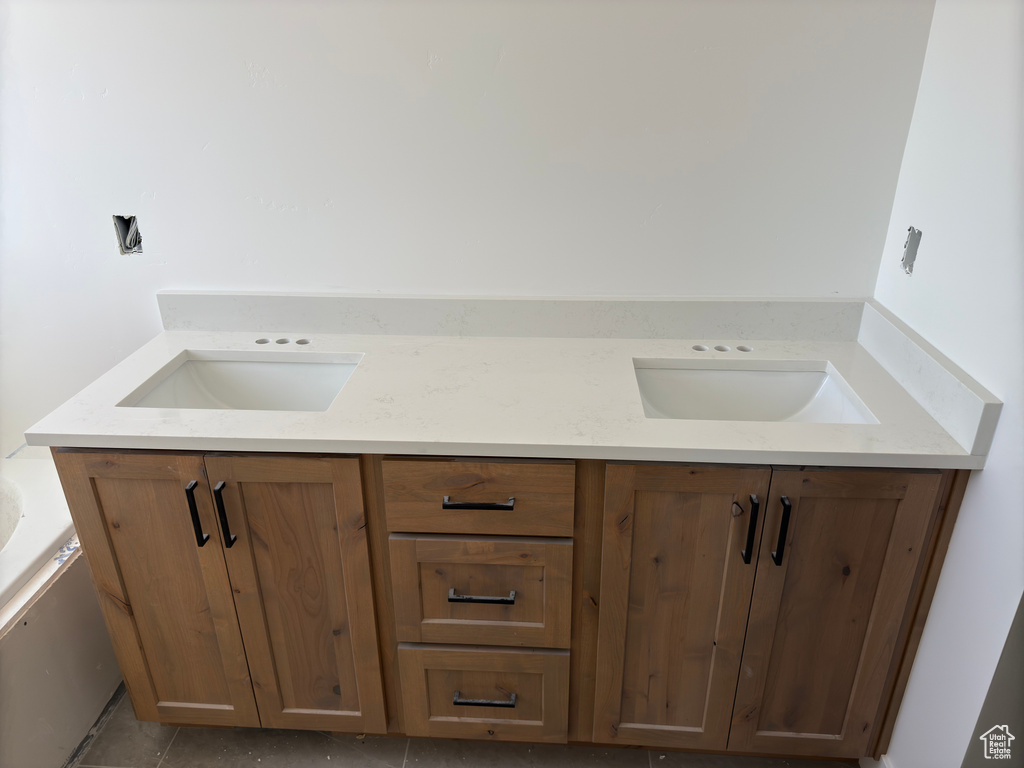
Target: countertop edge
x=513, y=451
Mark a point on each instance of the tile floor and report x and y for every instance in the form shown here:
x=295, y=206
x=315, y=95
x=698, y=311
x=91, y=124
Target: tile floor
x=123, y=742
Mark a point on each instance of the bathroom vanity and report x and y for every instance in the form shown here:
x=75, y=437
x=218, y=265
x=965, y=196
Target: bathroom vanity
x=515, y=538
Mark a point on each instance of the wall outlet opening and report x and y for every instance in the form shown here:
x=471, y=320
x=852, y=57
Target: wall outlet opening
x=129, y=240
x=910, y=250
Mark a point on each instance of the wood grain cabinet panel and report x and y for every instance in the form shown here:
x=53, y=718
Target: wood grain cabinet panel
x=467, y=692
x=166, y=600
x=675, y=591
x=829, y=602
x=537, y=496
x=300, y=570
x=482, y=590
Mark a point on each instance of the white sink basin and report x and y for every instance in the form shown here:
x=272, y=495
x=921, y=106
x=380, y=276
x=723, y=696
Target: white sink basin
x=243, y=381
x=719, y=390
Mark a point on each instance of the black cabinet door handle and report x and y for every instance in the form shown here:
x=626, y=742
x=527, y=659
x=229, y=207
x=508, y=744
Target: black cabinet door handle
x=197, y=526
x=510, y=600
x=458, y=701
x=218, y=496
x=507, y=506
x=780, y=545
x=748, y=550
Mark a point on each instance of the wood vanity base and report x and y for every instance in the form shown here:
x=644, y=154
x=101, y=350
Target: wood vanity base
x=739, y=610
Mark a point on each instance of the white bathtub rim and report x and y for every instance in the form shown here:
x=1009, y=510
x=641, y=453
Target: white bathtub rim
x=45, y=523
x=36, y=587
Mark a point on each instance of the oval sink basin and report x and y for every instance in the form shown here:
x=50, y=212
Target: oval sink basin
x=196, y=380
x=802, y=392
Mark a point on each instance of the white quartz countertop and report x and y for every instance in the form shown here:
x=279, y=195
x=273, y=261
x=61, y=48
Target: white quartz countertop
x=507, y=396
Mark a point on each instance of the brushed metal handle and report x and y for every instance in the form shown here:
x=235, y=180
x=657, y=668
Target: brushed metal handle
x=506, y=506
x=458, y=701
x=454, y=598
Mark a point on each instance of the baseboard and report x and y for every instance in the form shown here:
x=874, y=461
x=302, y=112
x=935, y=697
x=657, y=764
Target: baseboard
x=885, y=762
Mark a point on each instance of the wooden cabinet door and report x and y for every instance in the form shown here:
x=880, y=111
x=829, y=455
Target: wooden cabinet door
x=301, y=574
x=166, y=600
x=827, y=609
x=675, y=591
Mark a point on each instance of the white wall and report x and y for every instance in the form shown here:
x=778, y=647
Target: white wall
x=962, y=184
x=491, y=147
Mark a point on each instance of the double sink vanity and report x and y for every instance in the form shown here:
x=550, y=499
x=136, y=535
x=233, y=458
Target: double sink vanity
x=700, y=525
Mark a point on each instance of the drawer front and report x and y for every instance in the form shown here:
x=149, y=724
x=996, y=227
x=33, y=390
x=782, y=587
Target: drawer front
x=518, y=499
x=484, y=591
x=485, y=693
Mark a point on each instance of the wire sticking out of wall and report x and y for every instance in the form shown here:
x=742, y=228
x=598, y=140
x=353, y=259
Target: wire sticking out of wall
x=129, y=240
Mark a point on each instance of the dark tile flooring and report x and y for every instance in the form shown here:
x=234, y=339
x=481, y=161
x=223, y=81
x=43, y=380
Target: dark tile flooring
x=123, y=742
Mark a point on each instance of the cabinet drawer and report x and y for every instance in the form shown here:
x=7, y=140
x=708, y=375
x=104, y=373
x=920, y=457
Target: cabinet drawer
x=485, y=693
x=516, y=498
x=485, y=591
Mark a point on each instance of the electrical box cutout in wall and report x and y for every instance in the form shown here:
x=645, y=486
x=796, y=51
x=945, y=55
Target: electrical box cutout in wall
x=910, y=250
x=129, y=240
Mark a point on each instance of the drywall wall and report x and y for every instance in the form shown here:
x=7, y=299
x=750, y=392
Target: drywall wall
x=962, y=184
x=455, y=147
x=1004, y=704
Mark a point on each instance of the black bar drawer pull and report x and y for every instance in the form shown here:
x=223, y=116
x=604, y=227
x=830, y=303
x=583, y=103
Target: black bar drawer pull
x=507, y=506
x=780, y=545
x=748, y=551
x=510, y=600
x=197, y=526
x=458, y=701
x=218, y=496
